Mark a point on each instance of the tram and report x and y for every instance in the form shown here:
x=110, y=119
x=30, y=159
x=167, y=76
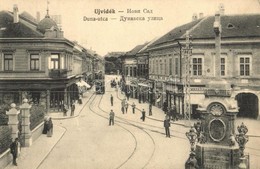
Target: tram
x=100, y=86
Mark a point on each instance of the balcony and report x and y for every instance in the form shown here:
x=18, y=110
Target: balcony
x=217, y=93
x=58, y=73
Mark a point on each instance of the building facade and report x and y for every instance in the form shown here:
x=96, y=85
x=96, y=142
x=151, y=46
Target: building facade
x=223, y=48
x=38, y=63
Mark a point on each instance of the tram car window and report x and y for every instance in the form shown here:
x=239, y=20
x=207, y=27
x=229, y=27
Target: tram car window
x=100, y=86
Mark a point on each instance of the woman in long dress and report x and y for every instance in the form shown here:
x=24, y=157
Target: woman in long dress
x=50, y=128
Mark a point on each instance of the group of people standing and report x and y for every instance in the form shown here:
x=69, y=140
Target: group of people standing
x=66, y=109
x=170, y=113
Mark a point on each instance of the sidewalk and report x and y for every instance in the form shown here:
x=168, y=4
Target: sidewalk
x=32, y=157
x=78, y=108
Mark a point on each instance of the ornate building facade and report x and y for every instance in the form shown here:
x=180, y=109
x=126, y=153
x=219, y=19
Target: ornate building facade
x=38, y=63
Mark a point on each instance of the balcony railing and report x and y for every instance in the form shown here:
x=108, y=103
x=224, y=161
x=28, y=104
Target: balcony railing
x=217, y=93
x=58, y=73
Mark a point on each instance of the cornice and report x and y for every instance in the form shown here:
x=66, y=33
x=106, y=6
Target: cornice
x=35, y=40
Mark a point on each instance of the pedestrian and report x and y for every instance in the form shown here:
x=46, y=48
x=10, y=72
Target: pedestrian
x=72, y=108
x=123, y=106
x=169, y=113
x=45, y=126
x=165, y=107
x=167, y=125
x=128, y=94
x=126, y=107
x=80, y=99
x=50, y=128
x=143, y=115
x=133, y=107
x=111, y=117
x=174, y=112
x=111, y=99
x=150, y=110
x=65, y=109
x=14, y=147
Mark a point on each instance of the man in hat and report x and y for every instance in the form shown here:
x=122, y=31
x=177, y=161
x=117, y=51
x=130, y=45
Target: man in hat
x=167, y=125
x=111, y=117
x=111, y=99
x=143, y=115
x=133, y=106
x=14, y=150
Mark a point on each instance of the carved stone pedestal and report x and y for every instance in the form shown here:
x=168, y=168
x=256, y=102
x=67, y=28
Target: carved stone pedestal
x=212, y=156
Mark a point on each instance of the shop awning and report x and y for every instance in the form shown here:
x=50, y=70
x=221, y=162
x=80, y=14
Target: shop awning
x=83, y=86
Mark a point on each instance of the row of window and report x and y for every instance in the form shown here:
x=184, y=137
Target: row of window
x=160, y=66
x=133, y=71
x=34, y=62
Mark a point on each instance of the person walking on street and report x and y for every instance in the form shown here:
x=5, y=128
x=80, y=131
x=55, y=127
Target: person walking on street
x=72, y=108
x=65, y=109
x=167, y=125
x=133, y=107
x=150, y=109
x=123, y=106
x=126, y=107
x=111, y=99
x=111, y=117
x=50, y=128
x=143, y=115
x=14, y=147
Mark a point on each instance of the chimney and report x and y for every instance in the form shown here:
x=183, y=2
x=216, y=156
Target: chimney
x=221, y=9
x=201, y=15
x=194, y=17
x=16, y=14
x=217, y=30
x=38, y=16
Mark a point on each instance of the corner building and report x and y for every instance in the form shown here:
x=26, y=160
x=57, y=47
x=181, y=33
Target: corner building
x=237, y=64
x=37, y=62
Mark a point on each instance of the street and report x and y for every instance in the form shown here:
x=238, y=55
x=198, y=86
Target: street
x=89, y=142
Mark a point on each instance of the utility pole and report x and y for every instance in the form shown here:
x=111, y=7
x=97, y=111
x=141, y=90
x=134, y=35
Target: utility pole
x=187, y=51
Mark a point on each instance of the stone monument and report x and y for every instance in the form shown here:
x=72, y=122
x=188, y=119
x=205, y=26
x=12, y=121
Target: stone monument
x=217, y=145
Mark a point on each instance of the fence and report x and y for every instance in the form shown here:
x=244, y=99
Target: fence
x=5, y=138
x=37, y=116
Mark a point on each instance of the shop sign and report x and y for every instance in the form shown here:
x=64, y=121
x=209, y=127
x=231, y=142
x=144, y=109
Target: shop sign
x=197, y=89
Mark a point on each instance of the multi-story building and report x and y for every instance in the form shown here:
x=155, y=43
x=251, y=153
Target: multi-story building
x=225, y=47
x=133, y=71
x=37, y=62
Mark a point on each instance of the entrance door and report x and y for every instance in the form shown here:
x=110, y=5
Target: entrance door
x=248, y=105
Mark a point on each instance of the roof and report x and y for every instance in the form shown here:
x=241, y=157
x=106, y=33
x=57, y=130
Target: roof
x=46, y=23
x=28, y=17
x=246, y=25
x=9, y=29
x=232, y=26
x=176, y=32
x=135, y=50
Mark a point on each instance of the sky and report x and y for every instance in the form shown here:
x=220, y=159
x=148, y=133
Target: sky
x=116, y=35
